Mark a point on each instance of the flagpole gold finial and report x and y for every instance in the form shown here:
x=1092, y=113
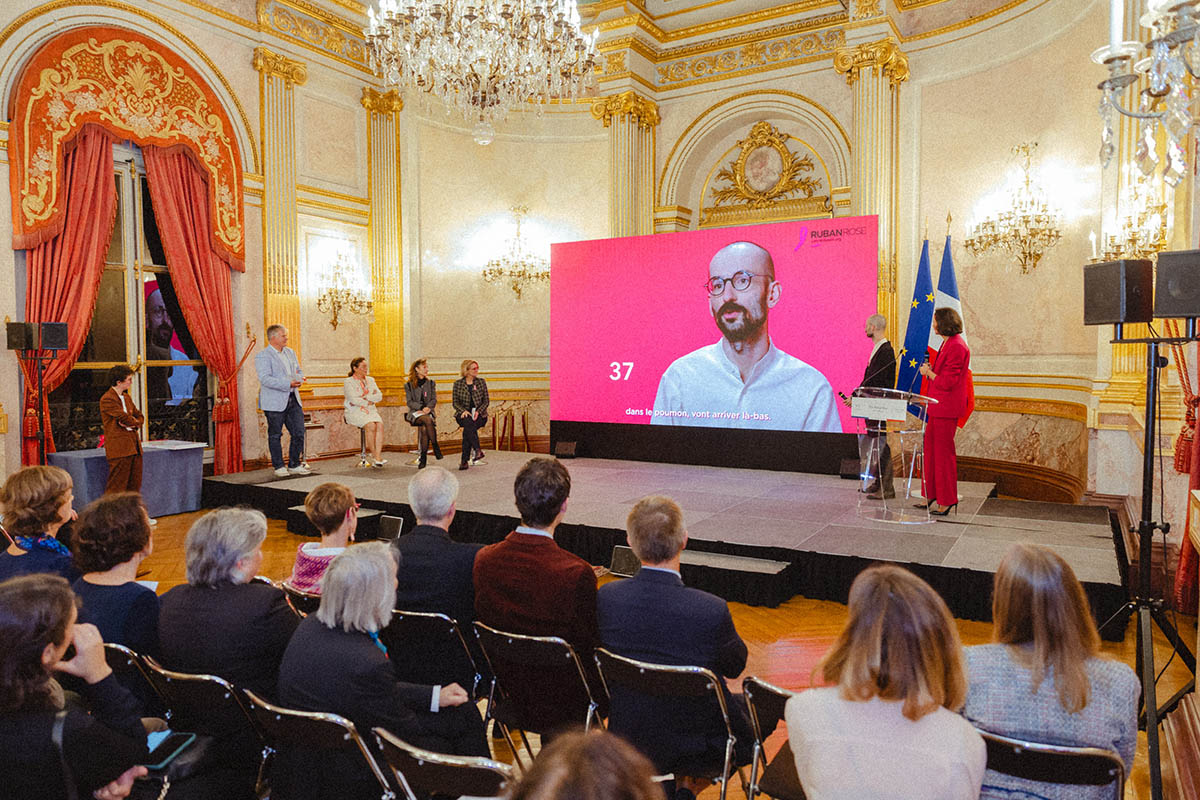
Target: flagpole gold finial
x=949, y=218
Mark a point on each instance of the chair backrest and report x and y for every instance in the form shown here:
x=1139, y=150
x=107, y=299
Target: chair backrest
x=767, y=702
x=1051, y=763
x=390, y=527
x=426, y=773
x=303, y=603
x=427, y=647
x=263, y=579
x=312, y=730
x=204, y=704
x=662, y=680
x=541, y=680
x=132, y=673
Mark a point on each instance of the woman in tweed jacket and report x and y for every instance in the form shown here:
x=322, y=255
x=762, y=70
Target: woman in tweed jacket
x=470, y=397
x=420, y=392
x=1044, y=680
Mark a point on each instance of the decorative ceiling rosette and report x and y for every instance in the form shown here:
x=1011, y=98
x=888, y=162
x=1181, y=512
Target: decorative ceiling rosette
x=135, y=88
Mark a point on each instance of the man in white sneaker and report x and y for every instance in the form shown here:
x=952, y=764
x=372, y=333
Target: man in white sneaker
x=280, y=379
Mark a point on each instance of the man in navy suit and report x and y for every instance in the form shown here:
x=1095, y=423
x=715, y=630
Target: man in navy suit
x=435, y=570
x=654, y=617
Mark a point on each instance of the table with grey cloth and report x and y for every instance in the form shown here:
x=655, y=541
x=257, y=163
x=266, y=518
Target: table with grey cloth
x=172, y=473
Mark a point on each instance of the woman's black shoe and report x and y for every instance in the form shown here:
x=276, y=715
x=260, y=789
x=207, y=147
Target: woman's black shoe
x=463, y=465
x=942, y=512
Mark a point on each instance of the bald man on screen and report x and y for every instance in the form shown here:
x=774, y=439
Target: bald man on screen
x=744, y=380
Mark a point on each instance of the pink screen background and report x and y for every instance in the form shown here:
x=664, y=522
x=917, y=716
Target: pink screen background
x=642, y=300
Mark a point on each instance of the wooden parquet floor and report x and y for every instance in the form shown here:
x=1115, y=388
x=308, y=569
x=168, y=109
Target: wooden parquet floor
x=785, y=643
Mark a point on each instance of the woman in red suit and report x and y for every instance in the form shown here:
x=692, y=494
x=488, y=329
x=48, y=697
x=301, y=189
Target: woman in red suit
x=948, y=378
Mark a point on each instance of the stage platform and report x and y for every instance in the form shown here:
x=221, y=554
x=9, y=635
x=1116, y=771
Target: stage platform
x=787, y=533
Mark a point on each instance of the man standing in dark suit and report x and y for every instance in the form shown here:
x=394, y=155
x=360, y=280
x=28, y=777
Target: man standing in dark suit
x=654, y=617
x=122, y=432
x=880, y=373
x=435, y=571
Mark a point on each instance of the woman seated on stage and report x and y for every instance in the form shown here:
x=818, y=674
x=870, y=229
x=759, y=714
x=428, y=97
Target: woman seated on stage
x=37, y=626
x=220, y=622
x=333, y=511
x=888, y=727
x=420, y=393
x=336, y=663
x=361, y=396
x=470, y=397
x=1044, y=679
x=37, y=503
x=111, y=539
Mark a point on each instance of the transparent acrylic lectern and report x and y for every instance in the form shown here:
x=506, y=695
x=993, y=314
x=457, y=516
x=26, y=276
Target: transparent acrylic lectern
x=875, y=408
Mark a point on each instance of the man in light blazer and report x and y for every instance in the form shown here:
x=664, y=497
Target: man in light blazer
x=280, y=378
x=122, y=432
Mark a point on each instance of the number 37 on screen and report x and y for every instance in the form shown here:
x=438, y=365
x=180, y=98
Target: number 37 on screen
x=620, y=370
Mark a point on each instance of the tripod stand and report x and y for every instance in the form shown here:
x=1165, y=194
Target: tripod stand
x=1149, y=609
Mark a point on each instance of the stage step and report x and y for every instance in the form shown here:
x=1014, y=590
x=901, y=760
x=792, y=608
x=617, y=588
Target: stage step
x=368, y=524
x=742, y=579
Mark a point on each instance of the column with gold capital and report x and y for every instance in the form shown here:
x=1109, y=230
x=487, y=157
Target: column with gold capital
x=383, y=230
x=875, y=71
x=278, y=77
x=631, y=120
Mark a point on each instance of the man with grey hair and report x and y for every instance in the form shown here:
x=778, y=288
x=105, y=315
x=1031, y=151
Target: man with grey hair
x=654, y=617
x=280, y=379
x=881, y=374
x=744, y=380
x=221, y=622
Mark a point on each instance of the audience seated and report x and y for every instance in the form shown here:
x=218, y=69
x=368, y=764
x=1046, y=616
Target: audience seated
x=526, y=583
x=333, y=511
x=887, y=728
x=37, y=503
x=654, y=617
x=336, y=663
x=112, y=537
x=588, y=766
x=219, y=622
x=37, y=625
x=1044, y=680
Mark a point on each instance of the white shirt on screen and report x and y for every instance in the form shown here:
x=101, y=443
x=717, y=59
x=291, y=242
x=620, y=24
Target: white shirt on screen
x=704, y=388
x=847, y=749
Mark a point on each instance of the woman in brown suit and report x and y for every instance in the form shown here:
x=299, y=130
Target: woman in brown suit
x=122, y=426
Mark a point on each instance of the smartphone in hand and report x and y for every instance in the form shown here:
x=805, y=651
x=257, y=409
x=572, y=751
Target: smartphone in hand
x=164, y=746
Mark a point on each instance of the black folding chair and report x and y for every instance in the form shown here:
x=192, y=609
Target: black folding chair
x=303, y=603
x=778, y=778
x=429, y=648
x=303, y=731
x=423, y=773
x=663, y=680
x=131, y=672
x=539, y=685
x=1053, y=763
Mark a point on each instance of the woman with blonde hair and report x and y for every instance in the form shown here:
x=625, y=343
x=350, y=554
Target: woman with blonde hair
x=1044, y=679
x=470, y=396
x=887, y=726
x=37, y=503
x=420, y=393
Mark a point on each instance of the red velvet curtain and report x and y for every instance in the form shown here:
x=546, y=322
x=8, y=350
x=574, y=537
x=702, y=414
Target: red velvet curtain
x=179, y=191
x=1186, y=572
x=62, y=275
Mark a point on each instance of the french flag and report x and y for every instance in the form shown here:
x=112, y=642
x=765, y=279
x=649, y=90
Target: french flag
x=948, y=297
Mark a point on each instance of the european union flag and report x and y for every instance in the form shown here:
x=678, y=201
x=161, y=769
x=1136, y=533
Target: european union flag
x=916, y=335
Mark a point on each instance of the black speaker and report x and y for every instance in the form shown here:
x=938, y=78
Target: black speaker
x=564, y=449
x=54, y=336
x=1117, y=291
x=1177, y=284
x=21, y=336
x=850, y=469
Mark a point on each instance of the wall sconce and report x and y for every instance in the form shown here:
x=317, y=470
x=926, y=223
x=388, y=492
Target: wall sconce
x=1027, y=228
x=341, y=289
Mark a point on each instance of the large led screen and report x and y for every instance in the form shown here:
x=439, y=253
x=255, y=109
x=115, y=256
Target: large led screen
x=753, y=327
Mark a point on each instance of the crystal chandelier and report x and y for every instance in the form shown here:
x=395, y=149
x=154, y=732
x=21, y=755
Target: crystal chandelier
x=482, y=58
x=1174, y=40
x=518, y=266
x=1027, y=228
x=342, y=290
x=1143, y=228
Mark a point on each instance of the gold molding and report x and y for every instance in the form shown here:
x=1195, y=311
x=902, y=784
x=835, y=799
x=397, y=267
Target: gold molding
x=377, y=102
x=645, y=21
x=749, y=56
x=309, y=189
x=194, y=50
x=867, y=9
x=768, y=139
x=884, y=56
x=308, y=202
x=1076, y=412
x=273, y=64
x=640, y=108
x=316, y=29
